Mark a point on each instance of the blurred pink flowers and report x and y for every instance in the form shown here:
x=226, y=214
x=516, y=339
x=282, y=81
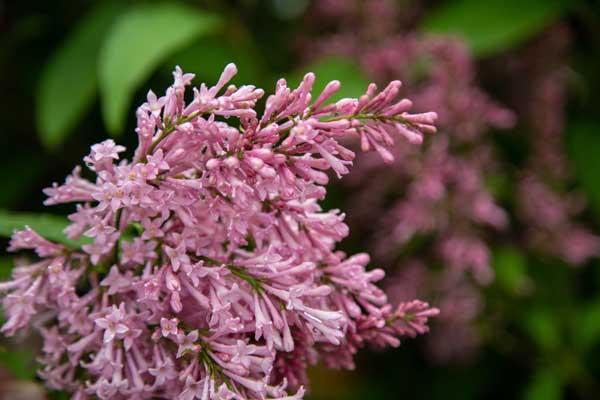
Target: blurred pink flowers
x=212, y=271
x=433, y=211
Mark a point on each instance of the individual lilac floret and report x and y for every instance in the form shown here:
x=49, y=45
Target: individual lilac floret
x=211, y=270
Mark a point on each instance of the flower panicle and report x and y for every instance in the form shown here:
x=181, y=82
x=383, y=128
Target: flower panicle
x=211, y=260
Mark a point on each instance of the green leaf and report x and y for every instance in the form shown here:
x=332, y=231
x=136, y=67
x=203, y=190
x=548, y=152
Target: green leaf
x=208, y=56
x=353, y=80
x=49, y=226
x=545, y=384
x=510, y=266
x=587, y=327
x=69, y=80
x=542, y=326
x=493, y=25
x=583, y=142
x=499, y=185
x=21, y=363
x=58, y=395
x=6, y=264
x=138, y=42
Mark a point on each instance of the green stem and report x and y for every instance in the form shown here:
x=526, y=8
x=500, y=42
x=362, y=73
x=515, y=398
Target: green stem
x=238, y=271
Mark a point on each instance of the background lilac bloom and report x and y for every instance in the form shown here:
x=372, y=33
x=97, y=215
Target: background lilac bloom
x=440, y=196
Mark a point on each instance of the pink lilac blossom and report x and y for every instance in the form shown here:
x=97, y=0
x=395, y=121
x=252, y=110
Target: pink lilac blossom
x=550, y=209
x=211, y=271
x=438, y=192
x=460, y=301
x=437, y=200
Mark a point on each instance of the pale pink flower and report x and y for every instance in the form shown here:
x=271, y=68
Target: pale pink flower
x=211, y=257
x=112, y=323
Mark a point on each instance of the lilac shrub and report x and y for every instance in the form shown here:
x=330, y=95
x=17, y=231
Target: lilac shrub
x=212, y=272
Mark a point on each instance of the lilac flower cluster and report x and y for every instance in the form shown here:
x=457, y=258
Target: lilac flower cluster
x=211, y=272
x=547, y=204
x=440, y=195
x=444, y=195
x=438, y=192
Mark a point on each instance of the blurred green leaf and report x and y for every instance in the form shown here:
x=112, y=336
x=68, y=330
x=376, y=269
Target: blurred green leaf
x=337, y=384
x=499, y=185
x=68, y=83
x=353, y=80
x=543, y=327
x=510, y=266
x=56, y=395
x=208, y=56
x=49, y=226
x=6, y=264
x=583, y=142
x=20, y=362
x=138, y=42
x=493, y=25
x=545, y=384
x=587, y=326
